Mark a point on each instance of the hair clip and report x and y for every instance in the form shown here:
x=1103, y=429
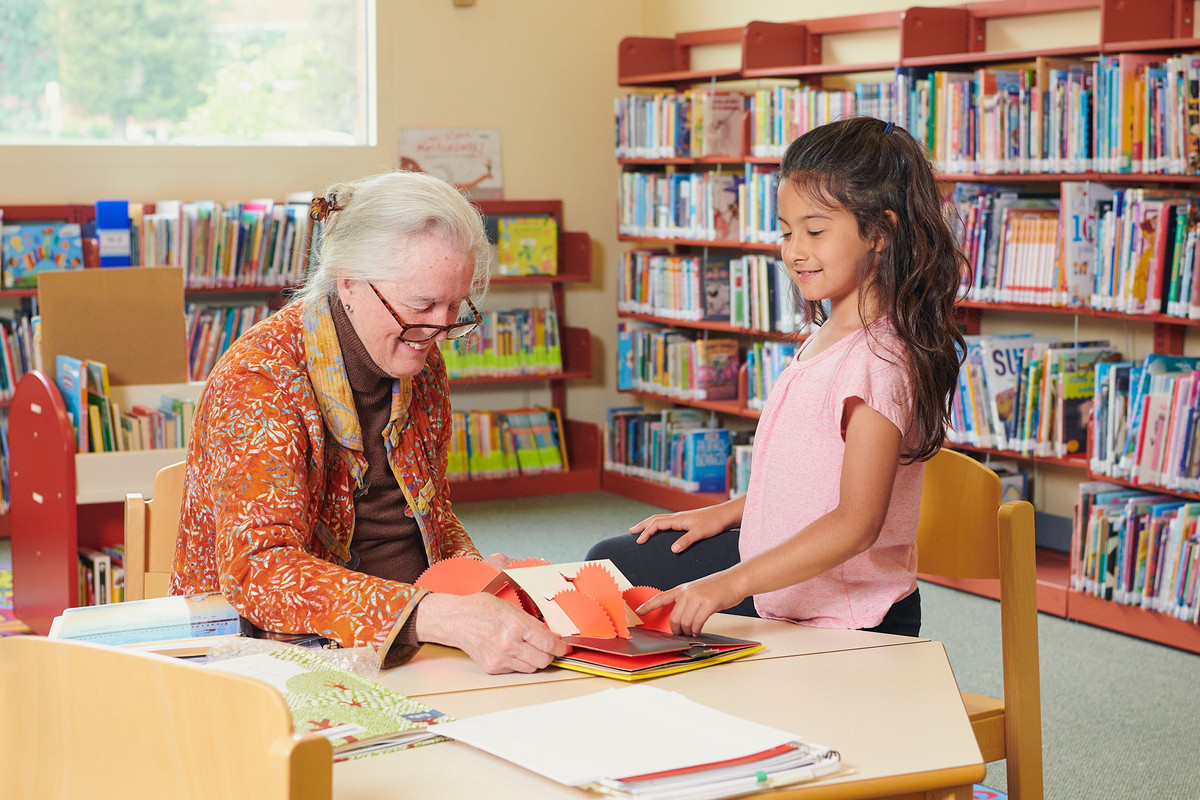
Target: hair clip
x=322, y=208
x=891, y=126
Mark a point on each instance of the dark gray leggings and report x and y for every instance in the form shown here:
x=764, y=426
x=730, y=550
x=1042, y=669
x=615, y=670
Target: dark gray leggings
x=653, y=564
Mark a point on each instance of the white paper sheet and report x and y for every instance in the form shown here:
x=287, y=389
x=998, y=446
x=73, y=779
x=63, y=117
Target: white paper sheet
x=614, y=733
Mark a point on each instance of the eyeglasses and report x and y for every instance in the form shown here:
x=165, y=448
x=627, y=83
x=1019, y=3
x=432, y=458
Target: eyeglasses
x=416, y=334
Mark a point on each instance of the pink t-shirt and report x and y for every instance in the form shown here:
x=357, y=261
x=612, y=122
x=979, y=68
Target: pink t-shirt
x=796, y=474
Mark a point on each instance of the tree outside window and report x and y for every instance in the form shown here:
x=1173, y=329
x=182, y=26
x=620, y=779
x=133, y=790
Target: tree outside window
x=207, y=72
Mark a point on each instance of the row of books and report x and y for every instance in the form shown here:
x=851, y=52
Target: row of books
x=18, y=352
x=250, y=243
x=677, y=363
x=225, y=244
x=691, y=124
x=1122, y=113
x=101, y=574
x=706, y=205
x=765, y=361
x=1145, y=421
x=102, y=426
x=1137, y=548
x=1030, y=395
x=503, y=444
x=680, y=447
x=750, y=291
x=213, y=327
x=1132, y=250
x=522, y=341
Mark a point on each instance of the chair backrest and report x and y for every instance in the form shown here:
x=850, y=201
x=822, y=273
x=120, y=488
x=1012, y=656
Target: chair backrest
x=151, y=527
x=80, y=719
x=966, y=532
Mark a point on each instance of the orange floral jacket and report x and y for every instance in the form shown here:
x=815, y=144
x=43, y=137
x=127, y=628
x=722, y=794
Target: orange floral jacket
x=273, y=463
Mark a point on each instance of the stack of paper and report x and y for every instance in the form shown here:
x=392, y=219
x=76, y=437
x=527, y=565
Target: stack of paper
x=682, y=750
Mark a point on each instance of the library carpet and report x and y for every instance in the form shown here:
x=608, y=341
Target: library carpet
x=9, y=625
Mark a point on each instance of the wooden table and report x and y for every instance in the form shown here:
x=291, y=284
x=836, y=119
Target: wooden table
x=888, y=704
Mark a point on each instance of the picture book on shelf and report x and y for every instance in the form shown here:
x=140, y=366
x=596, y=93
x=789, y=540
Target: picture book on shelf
x=527, y=245
x=357, y=715
x=469, y=158
x=72, y=377
x=30, y=248
x=591, y=605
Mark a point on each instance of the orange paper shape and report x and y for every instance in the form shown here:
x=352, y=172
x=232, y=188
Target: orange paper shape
x=599, y=584
x=660, y=618
x=585, y=613
x=459, y=576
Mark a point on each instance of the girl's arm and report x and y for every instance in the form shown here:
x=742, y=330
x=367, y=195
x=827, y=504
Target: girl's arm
x=868, y=472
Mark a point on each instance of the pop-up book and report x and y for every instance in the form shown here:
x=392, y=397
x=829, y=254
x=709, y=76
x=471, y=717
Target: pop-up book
x=591, y=605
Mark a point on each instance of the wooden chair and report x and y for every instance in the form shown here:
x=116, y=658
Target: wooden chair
x=151, y=527
x=85, y=720
x=965, y=532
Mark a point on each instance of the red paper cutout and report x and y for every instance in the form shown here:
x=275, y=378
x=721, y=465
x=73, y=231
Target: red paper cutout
x=585, y=613
x=459, y=576
x=660, y=618
x=599, y=584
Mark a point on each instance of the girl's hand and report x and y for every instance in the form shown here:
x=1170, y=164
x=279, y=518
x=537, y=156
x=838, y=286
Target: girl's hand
x=696, y=601
x=697, y=524
x=498, y=560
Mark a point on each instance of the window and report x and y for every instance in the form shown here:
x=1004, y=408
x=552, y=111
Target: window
x=188, y=72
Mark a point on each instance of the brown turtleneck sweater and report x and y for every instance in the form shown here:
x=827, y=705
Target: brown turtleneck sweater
x=387, y=542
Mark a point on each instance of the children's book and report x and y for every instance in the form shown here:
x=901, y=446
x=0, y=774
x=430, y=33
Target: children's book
x=193, y=619
x=30, y=248
x=591, y=605
x=358, y=716
x=527, y=245
x=718, y=361
x=72, y=377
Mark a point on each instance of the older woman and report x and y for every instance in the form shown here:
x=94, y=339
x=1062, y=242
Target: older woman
x=316, y=487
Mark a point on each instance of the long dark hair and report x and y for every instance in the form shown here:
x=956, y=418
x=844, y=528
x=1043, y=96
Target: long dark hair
x=870, y=168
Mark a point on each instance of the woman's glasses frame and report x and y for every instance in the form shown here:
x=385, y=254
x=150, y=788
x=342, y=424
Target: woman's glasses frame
x=409, y=333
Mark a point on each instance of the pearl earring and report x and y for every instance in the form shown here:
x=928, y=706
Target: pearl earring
x=347, y=308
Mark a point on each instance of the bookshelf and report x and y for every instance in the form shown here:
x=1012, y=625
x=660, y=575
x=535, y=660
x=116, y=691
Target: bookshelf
x=62, y=500
x=24, y=300
x=582, y=439
x=929, y=39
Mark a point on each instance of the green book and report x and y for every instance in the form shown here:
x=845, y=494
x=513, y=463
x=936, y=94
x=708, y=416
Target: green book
x=357, y=715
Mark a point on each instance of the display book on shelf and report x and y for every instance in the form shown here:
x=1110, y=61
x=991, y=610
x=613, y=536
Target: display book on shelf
x=518, y=455
x=794, y=50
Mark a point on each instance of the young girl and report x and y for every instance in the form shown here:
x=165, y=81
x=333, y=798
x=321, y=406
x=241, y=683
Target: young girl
x=829, y=520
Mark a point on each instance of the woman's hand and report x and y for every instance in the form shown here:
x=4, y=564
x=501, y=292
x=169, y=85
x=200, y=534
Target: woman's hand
x=701, y=523
x=498, y=560
x=696, y=601
x=497, y=635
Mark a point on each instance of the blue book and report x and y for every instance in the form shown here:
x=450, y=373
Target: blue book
x=112, y=232
x=706, y=453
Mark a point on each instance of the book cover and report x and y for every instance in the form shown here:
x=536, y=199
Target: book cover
x=715, y=287
x=29, y=248
x=527, y=245
x=71, y=376
x=358, y=716
x=718, y=361
x=469, y=158
x=113, y=233
x=706, y=457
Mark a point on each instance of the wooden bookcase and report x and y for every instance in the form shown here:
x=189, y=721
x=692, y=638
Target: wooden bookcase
x=951, y=38
x=62, y=500
x=582, y=438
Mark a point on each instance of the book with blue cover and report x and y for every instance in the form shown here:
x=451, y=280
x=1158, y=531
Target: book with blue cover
x=32, y=248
